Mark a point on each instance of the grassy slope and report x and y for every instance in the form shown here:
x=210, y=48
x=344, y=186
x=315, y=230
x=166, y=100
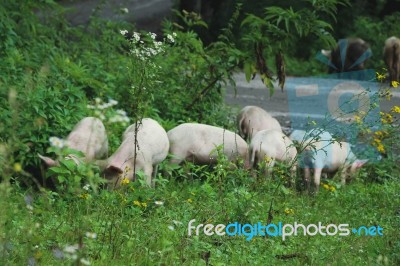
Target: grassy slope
x=128, y=234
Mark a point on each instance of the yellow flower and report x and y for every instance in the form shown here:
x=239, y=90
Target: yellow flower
x=379, y=76
x=137, y=203
x=332, y=188
x=379, y=133
x=84, y=196
x=144, y=204
x=357, y=119
x=395, y=84
x=380, y=148
x=17, y=167
x=396, y=109
x=125, y=181
x=289, y=211
x=267, y=159
x=189, y=200
x=326, y=186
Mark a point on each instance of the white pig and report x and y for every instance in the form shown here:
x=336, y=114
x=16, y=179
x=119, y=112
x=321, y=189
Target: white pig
x=197, y=143
x=252, y=119
x=327, y=156
x=89, y=137
x=303, y=137
x=151, y=148
x=270, y=146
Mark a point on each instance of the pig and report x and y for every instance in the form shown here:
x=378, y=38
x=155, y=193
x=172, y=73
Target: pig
x=272, y=145
x=252, y=119
x=89, y=137
x=302, y=137
x=391, y=56
x=355, y=52
x=328, y=156
x=198, y=142
x=151, y=148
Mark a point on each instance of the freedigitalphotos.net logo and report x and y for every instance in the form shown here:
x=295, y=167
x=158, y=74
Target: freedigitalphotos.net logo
x=280, y=230
x=337, y=102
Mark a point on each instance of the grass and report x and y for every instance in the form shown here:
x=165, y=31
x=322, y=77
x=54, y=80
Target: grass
x=131, y=229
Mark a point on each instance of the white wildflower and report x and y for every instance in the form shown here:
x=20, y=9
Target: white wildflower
x=85, y=261
x=71, y=249
x=177, y=222
x=159, y=203
x=121, y=112
x=124, y=10
x=170, y=38
x=170, y=227
x=123, y=32
x=174, y=34
x=152, y=35
x=86, y=187
x=97, y=100
x=56, y=142
x=112, y=102
x=136, y=36
x=91, y=235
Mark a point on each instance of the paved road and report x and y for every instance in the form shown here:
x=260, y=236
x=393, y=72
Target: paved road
x=308, y=97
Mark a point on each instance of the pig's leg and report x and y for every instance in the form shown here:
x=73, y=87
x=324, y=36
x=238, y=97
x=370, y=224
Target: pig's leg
x=307, y=176
x=317, y=178
x=148, y=170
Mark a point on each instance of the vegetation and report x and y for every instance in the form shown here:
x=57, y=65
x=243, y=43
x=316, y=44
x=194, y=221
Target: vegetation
x=52, y=75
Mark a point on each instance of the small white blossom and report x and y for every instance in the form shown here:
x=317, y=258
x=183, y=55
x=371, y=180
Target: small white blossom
x=159, y=203
x=57, y=142
x=121, y=112
x=112, y=102
x=152, y=35
x=91, y=235
x=170, y=38
x=136, y=36
x=86, y=187
x=170, y=227
x=97, y=100
x=177, y=222
x=71, y=249
x=124, y=10
x=123, y=32
x=85, y=261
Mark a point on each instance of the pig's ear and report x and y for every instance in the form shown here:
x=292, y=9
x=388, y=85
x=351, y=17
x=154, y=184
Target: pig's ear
x=327, y=53
x=48, y=161
x=359, y=163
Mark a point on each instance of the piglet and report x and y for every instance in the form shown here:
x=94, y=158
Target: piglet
x=89, y=137
x=144, y=146
x=252, y=119
x=272, y=145
x=198, y=142
x=329, y=156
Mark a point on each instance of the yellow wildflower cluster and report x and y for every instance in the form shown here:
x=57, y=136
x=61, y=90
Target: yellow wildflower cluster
x=378, y=144
x=289, y=211
x=17, y=167
x=140, y=204
x=328, y=187
x=380, y=76
x=189, y=200
x=395, y=84
x=395, y=109
x=125, y=181
x=267, y=159
x=84, y=196
x=386, y=118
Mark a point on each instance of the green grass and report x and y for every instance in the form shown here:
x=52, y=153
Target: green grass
x=128, y=234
